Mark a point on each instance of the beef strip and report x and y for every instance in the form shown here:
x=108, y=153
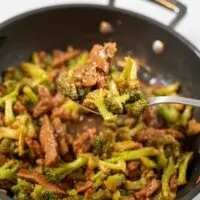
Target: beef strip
x=153, y=187
x=84, y=142
x=1, y=119
x=34, y=145
x=60, y=129
x=39, y=179
x=58, y=99
x=88, y=193
x=59, y=57
x=60, y=113
x=89, y=174
x=173, y=183
x=45, y=103
x=145, y=135
x=3, y=159
x=83, y=186
x=133, y=170
x=152, y=119
x=19, y=107
x=48, y=142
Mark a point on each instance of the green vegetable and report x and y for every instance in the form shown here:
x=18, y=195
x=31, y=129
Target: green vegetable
x=57, y=174
x=7, y=146
x=186, y=115
x=9, y=115
x=134, y=154
x=39, y=193
x=168, y=172
x=135, y=185
x=167, y=90
x=169, y=113
x=96, y=100
x=137, y=108
x=148, y=163
x=114, y=181
x=32, y=97
x=119, y=166
x=8, y=170
x=22, y=189
x=183, y=166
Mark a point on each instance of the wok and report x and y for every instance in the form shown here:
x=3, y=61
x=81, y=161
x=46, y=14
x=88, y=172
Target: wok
x=77, y=25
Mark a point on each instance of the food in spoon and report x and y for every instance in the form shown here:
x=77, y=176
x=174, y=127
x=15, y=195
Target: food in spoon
x=52, y=149
x=100, y=86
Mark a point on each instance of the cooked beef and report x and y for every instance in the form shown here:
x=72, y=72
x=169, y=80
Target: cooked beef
x=39, y=179
x=59, y=57
x=58, y=99
x=152, y=119
x=19, y=107
x=1, y=119
x=89, y=173
x=34, y=145
x=45, y=103
x=145, y=135
x=3, y=159
x=48, y=142
x=152, y=187
x=84, y=142
x=83, y=186
x=60, y=130
x=133, y=170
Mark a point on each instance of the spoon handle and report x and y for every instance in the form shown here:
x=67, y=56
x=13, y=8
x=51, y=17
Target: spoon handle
x=174, y=99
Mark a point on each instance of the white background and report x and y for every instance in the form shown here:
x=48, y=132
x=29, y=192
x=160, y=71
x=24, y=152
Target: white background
x=189, y=27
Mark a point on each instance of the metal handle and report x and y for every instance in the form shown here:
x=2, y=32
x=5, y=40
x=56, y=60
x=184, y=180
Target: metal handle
x=172, y=5
x=176, y=100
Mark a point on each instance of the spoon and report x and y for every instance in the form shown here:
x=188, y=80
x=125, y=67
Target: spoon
x=4, y=196
x=161, y=100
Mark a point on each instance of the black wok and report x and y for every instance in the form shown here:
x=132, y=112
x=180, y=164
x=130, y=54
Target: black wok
x=77, y=25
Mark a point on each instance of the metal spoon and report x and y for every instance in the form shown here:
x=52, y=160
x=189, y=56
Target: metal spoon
x=162, y=100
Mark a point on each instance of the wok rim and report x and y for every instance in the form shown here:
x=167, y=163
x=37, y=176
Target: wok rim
x=171, y=31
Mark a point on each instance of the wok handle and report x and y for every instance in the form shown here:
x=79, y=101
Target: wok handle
x=172, y=5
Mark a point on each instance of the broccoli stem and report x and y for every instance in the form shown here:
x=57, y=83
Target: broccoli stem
x=57, y=174
x=168, y=172
x=108, y=116
x=167, y=90
x=126, y=145
x=9, y=133
x=169, y=113
x=134, y=185
x=183, y=168
x=161, y=159
x=134, y=154
x=148, y=163
x=136, y=129
x=9, y=115
x=31, y=95
x=116, y=195
x=113, y=88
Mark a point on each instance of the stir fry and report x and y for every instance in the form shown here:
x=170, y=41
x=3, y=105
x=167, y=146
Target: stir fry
x=52, y=149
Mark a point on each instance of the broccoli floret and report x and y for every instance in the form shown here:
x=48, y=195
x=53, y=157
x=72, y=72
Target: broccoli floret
x=7, y=146
x=104, y=144
x=22, y=189
x=57, y=174
x=95, y=100
x=169, y=113
x=114, y=181
x=135, y=109
x=35, y=72
x=67, y=86
x=39, y=193
x=12, y=73
x=115, y=103
x=8, y=170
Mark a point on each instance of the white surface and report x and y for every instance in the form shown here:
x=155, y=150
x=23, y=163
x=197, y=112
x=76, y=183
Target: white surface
x=189, y=27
